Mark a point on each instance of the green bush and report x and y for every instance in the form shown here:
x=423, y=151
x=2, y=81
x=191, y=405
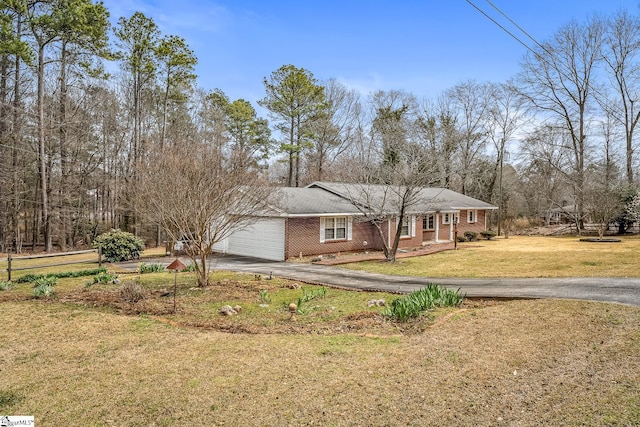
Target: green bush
x=413, y=304
x=118, y=245
x=29, y=277
x=5, y=286
x=488, y=234
x=143, y=267
x=470, y=235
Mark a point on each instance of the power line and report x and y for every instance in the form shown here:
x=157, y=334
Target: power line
x=560, y=67
x=501, y=26
x=518, y=26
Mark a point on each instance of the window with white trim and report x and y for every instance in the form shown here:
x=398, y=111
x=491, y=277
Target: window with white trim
x=408, y=228
x=472, y=216
x=450, y=218
x=335, y=228
x=405, y=231
x=428, y=222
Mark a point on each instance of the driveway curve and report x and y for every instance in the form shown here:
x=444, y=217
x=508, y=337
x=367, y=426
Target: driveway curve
x=603, y=289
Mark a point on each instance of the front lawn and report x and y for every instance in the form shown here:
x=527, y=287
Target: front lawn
x=489, y=364
x=520, y=256
x=88, y=356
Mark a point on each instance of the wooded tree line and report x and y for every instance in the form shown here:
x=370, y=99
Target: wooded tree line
x=86, y=108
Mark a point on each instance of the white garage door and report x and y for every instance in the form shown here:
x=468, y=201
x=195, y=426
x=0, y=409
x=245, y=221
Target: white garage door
x=264, y=239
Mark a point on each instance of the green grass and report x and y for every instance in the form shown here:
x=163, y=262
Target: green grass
x=520, y=256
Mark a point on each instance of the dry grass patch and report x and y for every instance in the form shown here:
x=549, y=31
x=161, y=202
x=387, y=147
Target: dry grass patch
x=520, y=256
x=510, y=363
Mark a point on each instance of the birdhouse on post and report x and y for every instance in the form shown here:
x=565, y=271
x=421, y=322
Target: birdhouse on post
x=176, y=266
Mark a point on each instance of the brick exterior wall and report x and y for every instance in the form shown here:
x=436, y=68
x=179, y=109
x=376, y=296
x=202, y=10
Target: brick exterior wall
x=477, y=226
x=408, y=242
x=303, y=235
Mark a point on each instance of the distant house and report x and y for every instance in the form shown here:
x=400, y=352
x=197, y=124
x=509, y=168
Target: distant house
x=561, y=215
x=324, y=218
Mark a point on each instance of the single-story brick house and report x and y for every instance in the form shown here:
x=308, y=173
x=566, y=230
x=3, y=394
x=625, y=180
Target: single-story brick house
x=325, y=218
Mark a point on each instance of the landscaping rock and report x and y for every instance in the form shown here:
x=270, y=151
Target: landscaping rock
x=294, y=286
x=376, y=302
x=227, y=310
x=237, y=308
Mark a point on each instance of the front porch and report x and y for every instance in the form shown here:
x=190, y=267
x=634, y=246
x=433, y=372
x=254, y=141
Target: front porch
x=439, y=227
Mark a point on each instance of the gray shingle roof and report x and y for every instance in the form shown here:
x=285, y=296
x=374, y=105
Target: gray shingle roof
x=312, y=201
x=428, y=200
x=329, y=198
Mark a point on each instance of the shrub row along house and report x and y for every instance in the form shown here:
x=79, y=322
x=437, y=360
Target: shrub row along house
x=326, y=218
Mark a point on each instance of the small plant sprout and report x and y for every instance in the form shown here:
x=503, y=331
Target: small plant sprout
x=143, y=267
x=44, y=287
x=264, y=296
x=104, y=278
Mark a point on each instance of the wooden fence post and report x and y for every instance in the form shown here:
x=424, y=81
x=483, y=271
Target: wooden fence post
x=100, y=255
x=9, y=265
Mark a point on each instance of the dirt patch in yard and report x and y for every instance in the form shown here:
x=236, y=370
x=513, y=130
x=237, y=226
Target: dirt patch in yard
x=199, y=308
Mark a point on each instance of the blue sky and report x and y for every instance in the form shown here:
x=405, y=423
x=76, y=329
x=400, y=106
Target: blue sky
x=422, y=47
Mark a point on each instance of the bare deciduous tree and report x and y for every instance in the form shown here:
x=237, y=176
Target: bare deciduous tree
x=185, y=192
x=386, y=192
x=622, y=59
x=471, y=102
x=558, y=81
x=333, y=129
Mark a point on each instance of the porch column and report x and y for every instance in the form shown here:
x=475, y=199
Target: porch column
x=451, y=222
x=436, y=221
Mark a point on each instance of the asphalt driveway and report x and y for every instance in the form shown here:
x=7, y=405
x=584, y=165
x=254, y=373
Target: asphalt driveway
x=604, y=289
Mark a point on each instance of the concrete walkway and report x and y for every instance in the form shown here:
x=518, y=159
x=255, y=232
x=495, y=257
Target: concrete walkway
x=615, y=290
